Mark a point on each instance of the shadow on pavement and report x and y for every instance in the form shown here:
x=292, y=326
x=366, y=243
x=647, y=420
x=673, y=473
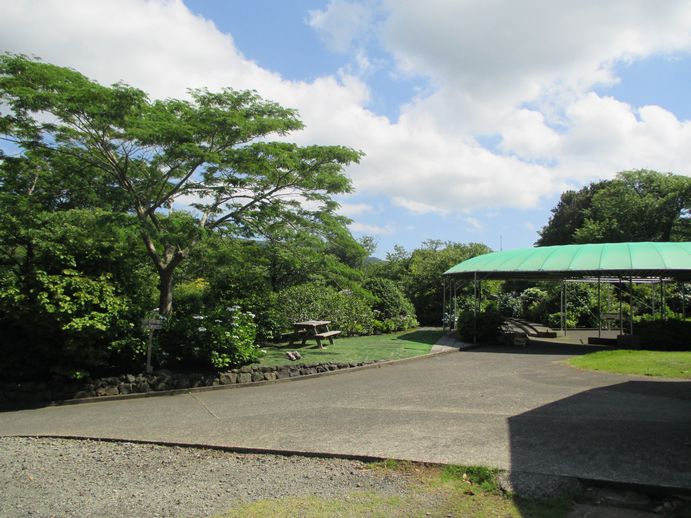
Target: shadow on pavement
x=637, y=433
x=539, y=348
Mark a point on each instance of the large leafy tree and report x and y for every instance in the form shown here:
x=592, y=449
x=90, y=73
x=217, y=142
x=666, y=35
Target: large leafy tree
x=638, y=205
x=568, y=215
x=211, y=152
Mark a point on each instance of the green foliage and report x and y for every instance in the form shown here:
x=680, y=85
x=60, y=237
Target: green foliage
x=218, y=338
x=419, y=273
x=534, y=304
x=481, y=477
x=348, y=312
x=635, y=206
x=670, y=334
x=390, y=304
x=71, y=291
x=213, y=147
x=509, y=304
x=485, y=330
x=554, y=320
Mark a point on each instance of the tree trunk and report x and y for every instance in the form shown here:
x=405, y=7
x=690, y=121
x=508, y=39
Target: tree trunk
x=165, y=287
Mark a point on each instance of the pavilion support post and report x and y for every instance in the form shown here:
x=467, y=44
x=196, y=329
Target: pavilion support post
x=599, y=309
x=561, y=308
x=475, y=308
x=662, y=299
x=455, y=305
x=621, y=308
x=630, y=304
x=444, y=318
x=566, y=308
x=683, y=301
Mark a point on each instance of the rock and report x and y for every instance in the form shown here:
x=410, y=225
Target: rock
x=257, y=376
x=244, y=377
x=283, y=373
x=228, y=378
x=129, y=378
x=125, y=388
x=270, y=376
x=83, y=394
x=161, y=385
x=245, y=369
x=183, y=383
x=142, y=386
x=111, y=391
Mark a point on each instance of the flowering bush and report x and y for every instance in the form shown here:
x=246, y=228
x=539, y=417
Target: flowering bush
x=221, y=337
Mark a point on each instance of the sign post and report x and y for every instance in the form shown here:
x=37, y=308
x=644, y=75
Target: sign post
x=150, y=324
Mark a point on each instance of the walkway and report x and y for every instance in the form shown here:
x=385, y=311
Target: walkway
x=518, y=409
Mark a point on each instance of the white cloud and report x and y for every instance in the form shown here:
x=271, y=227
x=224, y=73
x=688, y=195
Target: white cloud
x=417, y=207
x=474, y=224
x=355, y=209
x=503, y=52
x=341, y=23
x=375, y=230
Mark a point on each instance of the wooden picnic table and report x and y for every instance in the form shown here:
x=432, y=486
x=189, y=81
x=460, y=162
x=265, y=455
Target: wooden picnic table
x=317, y=329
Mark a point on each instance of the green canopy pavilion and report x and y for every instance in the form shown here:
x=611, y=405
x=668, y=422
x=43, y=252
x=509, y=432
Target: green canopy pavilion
x=599, y=262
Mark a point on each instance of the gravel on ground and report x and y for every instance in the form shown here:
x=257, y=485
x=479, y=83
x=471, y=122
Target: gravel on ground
x=76, y=478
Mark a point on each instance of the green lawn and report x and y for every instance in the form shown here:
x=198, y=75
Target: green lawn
x=356, y=349
x=668, y=364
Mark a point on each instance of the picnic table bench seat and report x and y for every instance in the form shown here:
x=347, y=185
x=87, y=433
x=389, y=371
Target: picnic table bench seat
x=317, y=329
x=327, y=334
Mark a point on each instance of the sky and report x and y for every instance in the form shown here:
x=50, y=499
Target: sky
x=473, y=116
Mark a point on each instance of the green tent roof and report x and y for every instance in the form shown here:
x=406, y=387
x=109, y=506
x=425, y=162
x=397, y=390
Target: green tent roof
x=601, y=259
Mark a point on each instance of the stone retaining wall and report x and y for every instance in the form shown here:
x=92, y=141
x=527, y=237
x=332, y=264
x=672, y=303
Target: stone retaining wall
x=14, y=395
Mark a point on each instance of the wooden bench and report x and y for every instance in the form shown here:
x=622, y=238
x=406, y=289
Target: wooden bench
x=328, y=334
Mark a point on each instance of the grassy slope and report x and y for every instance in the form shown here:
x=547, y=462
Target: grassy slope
x=357, y=349
x=668, y=364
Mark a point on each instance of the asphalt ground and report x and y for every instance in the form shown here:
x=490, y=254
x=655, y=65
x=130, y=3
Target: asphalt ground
x=522, y=410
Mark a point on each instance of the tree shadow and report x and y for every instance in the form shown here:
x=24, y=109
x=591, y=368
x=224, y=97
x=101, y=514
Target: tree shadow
x=422, y=336
x=633, y=433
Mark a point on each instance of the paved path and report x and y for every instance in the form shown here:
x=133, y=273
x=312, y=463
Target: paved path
x=516, y=409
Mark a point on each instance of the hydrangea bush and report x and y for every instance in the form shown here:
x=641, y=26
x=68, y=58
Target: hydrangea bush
x=218, y=338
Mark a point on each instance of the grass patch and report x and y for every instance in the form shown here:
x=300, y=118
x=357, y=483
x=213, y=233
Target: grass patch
x=479, y=477
x=394, y=346
x=428, y=491
x=667, y=364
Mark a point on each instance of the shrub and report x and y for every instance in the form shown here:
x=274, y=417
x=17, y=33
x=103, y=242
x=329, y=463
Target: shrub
x=389, y=301
x=70, y=325
x=671, y=334
x=554, y=321
x=509, y=304
x=218, y=338
x=534, y=304
x=350, y=313
x=489, y=324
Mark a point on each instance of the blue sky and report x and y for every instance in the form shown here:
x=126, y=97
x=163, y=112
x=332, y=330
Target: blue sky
x=474, y=116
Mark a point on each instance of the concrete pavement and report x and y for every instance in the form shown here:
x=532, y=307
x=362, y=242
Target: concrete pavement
x=517, y=409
